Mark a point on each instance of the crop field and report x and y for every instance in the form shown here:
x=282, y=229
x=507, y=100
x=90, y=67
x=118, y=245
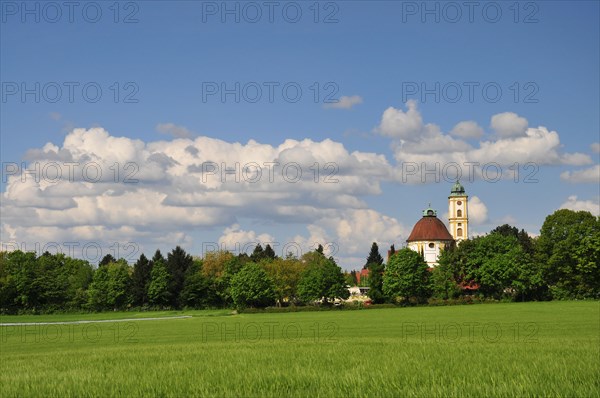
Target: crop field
x=516, y=349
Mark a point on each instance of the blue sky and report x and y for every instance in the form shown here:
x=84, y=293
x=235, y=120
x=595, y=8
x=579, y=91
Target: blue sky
x=543, y=56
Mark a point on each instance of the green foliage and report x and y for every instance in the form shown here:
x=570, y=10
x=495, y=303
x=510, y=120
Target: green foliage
x=196, y=291
x=523, y=237
x=568, y=251
x=322, y=279
x=285, y=274
x=375, y=293
x=140, y=280
x=178, y=263
x=107, y=259
x=158, y=290
x=110, y=287
x=407, y=277
x=269, y=252
x=374, y=256
x=496, y=262
x=443, y=281
x=49, y=282
x=252, y=287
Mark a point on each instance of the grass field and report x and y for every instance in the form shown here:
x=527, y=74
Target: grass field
x=522, y=349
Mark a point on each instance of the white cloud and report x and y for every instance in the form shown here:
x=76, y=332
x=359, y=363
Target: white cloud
x=416, y=144
x=478, y=212
x=345, y=102
x=163, y=192
x=238, y=240
x=572, y=203
x=589, y=175
x=509, y=124
x=174, y=130
x=408, y=125
x=467, y=129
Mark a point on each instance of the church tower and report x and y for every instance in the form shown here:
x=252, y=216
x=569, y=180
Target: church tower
x=458, y=216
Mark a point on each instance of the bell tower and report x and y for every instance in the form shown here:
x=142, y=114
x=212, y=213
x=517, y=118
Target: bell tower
x=458, y=216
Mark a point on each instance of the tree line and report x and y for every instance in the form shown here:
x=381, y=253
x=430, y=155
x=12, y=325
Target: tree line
x=55, y=282
x=562, y=263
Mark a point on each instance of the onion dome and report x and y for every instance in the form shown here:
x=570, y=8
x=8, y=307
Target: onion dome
x=457, y=189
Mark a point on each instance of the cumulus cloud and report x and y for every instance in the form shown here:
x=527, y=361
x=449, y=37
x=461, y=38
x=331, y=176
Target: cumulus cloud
x=345, y=102
x=467, y=129
x=424, y=146
x=174, y=130
x=235, y=239
x=509, y=124
x=589, y=175
x=348, y=233
x=572, y=203
x=478, y=212
x=396, y=123
x=164, y=191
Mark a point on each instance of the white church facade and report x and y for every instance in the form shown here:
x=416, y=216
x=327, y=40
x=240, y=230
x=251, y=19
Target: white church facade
x=430, y=236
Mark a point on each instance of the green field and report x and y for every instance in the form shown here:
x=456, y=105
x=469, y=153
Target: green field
x=523, y=349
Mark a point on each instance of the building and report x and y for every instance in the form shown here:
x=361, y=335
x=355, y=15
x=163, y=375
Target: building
x=430, y=236
x=458, y=219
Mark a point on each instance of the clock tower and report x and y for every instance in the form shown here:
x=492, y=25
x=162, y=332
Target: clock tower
x=458, y=216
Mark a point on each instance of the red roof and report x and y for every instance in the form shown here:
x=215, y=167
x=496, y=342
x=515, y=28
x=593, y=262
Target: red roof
x=429, y=228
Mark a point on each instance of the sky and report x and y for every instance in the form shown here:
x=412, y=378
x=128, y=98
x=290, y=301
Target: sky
x=127, y=127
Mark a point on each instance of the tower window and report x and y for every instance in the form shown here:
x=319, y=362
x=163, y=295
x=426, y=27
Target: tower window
x=459, y=232
x=459, y=203
x=460, y=224
x=431, y=245
x=459, y=213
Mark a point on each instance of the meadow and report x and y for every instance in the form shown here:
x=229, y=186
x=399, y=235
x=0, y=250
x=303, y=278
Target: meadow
x=512, y=349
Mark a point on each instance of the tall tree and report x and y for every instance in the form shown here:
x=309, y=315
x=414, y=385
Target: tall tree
x=322, y=279
x=252, y=287
x=523, y=237
x=376, y=282
x=407, y=277
x=196, y=291
x=141, y=280
x=258, y=253
x=107, y=260
x=568, y=251
x=110, y=287
x=374, y=256
x=286, y=274
x=158, y=257
x=178, y=263
x=269, y=252
x=158, y=290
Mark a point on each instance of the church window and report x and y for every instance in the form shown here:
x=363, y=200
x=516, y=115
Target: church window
x=459, y=231
x=460, y=224
x=459, y=213
x=459, y=203
x=431, y=245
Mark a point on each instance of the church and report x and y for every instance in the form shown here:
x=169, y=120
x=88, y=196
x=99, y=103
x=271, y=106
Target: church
x=430, y=236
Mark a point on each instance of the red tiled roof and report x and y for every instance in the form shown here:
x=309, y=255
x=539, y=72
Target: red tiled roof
x=429, y=228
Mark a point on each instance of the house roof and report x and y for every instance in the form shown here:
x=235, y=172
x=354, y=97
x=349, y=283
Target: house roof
x=429, y=228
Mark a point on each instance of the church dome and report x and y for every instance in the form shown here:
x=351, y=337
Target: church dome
x=457, y=189
x=429, y=228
